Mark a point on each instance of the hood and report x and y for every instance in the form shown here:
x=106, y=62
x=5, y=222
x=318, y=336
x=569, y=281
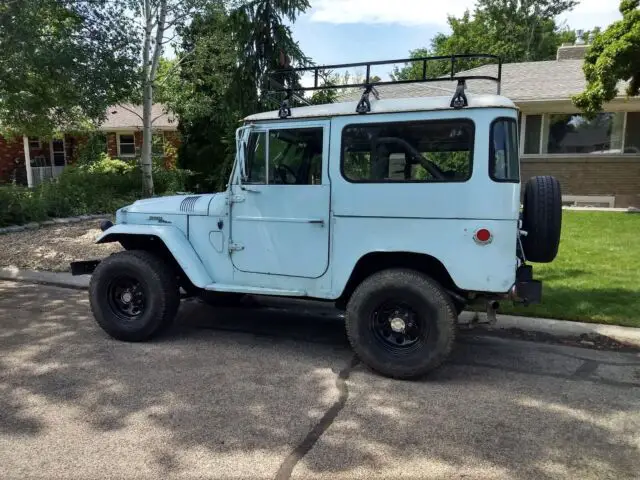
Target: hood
x=176, y=204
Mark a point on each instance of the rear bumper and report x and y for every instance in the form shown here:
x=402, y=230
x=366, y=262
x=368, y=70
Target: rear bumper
x=84, y=268
x=526, y=290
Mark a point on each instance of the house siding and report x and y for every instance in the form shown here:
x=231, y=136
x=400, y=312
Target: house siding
x=171, y=137
x=613, y=176
x=11, y=158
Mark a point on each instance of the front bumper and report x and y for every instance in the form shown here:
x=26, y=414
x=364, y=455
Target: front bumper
x=526, y=290
x=84, y=268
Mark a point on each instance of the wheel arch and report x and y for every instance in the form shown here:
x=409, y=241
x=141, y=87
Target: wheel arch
x=373, y=262
x=167, y=242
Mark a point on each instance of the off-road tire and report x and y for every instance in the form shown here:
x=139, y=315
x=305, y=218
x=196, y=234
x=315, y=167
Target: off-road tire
x=542, y=219
x=158, y=282
x=430, y=302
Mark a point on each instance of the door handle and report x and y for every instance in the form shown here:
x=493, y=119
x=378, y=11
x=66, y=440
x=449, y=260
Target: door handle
x=317, y=222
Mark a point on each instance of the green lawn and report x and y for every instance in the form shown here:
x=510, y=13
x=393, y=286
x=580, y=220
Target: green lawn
x=596, y=275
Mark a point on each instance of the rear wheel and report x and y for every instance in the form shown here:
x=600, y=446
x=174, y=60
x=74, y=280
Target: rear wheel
x=401, y=323
x=133, y=295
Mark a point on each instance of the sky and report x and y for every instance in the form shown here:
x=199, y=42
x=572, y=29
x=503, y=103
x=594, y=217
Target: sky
x=344, y=31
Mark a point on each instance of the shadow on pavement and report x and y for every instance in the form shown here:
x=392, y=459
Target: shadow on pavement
x=230, y=393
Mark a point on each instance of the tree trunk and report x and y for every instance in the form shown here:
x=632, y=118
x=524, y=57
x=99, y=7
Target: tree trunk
x=147, y=100
x=146, y=163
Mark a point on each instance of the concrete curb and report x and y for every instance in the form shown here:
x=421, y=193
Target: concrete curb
x=61, y=279
x=53, y=221
x=560, y=329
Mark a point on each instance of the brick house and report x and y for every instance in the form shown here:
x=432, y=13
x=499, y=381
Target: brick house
x=122, y=130
x=597, y=161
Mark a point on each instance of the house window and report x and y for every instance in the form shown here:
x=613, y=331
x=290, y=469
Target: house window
x=632, y=135
x=126, y=145
x=425, y=151
x=157, y=145
x=58, y=153
x=34, y=143
x=575, y=134
x=532, y=132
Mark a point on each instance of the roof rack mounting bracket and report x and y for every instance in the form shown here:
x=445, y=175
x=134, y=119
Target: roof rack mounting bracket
x=285, y=107
x=459, y=99
x=364, y=105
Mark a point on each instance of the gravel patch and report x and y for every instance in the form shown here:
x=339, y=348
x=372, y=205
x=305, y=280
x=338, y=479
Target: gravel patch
x=53, y=248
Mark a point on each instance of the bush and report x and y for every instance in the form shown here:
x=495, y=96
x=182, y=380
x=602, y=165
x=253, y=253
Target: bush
x=19, y=205
x=84, y=190
x=106, y=164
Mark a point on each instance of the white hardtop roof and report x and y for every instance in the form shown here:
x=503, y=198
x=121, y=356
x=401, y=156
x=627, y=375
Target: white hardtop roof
x=393, y=105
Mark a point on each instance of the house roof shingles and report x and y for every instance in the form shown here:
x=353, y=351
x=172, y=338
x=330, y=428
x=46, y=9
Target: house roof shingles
x=122, y=117
x=521, y=82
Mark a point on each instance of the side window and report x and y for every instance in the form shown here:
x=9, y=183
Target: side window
x=295, y=156
x=504, y=165
x=257, y=158
x=425, y=151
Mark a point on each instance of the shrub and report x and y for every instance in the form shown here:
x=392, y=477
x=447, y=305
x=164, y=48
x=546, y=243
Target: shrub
x=19, y=205
x=83, y=190
x=106, y=164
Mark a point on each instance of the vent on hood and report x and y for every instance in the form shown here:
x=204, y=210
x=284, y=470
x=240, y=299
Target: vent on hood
x=189, y=204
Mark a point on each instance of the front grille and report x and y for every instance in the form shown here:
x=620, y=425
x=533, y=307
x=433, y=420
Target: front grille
x=189, y=204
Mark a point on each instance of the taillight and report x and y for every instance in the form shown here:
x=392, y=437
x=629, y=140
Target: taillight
x=483, y=236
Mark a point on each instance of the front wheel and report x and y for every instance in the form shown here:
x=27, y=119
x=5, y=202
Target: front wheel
x=401, y=323
x=133, y=295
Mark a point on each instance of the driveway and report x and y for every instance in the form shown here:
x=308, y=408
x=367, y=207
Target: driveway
x=276, y=393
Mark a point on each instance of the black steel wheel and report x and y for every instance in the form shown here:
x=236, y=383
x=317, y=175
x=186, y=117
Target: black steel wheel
x=126, y=298
x=133, y=295
x=398, y=328
x=401, y=323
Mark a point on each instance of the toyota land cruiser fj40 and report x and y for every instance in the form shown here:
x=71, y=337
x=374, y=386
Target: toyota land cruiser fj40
x=400, y=211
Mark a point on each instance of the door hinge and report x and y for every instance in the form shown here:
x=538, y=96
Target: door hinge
x=236, y=198
x=235, y=247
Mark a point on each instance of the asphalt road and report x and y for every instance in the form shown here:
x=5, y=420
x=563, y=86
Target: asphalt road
x=276, y=393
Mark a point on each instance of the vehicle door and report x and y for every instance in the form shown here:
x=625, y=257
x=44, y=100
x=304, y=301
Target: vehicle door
x=280, y=210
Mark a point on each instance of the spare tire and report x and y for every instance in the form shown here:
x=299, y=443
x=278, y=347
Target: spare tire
x=541, y=219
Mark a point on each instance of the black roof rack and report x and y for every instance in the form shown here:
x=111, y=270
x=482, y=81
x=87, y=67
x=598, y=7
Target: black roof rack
x=288, y=79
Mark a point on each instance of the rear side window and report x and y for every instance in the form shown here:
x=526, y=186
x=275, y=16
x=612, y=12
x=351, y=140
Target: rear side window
x=426, y=151
x=504, y=165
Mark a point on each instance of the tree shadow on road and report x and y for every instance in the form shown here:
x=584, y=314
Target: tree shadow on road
x=230, y=393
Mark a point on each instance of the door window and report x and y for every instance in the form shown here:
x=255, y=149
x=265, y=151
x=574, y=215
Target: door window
x=295, y=156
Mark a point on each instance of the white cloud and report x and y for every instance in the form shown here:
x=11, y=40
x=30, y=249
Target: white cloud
x=586, y=15
x=406, y=12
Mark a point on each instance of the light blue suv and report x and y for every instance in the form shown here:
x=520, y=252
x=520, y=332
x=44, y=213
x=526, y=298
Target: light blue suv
x=399, y=211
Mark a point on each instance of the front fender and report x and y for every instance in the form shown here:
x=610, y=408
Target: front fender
x=175, y=241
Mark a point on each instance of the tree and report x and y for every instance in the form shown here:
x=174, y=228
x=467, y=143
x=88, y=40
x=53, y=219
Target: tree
x=613, y=56
x=515, y=30
x=224, y=56
x=160, y=22
x=63, y=63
